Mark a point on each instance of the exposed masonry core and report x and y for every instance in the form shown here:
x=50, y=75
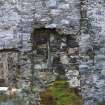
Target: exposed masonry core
x=51, y=52
x=58, y=53
x=8, y=66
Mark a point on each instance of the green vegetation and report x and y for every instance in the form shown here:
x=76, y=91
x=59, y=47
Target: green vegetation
x=102, y=103
x=3, y=98
x=60, y=94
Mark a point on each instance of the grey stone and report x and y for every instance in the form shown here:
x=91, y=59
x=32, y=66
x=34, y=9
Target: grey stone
x=18, y=18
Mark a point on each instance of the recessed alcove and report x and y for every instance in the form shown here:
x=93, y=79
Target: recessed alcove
x=49, y=44
x=42, y=41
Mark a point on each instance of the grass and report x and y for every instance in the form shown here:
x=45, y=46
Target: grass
x=101, y=103
x=60, y=94
x=3, y=98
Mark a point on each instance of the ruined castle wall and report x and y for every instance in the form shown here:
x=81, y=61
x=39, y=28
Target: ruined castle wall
x=92, y=50
x=18, y=17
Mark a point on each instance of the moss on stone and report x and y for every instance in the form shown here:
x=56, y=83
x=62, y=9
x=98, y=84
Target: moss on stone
x=60, y=94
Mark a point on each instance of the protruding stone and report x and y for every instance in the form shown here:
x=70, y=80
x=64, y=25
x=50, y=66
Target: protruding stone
x=66, y=22
x=55, y=12
x=51, y=25
x=64, y=6
x=52, y=3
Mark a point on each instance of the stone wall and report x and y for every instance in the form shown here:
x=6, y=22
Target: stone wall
x=92, y=52
x=14, y=69
x=18, y=17
x=71, y=17
x=8, y=63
